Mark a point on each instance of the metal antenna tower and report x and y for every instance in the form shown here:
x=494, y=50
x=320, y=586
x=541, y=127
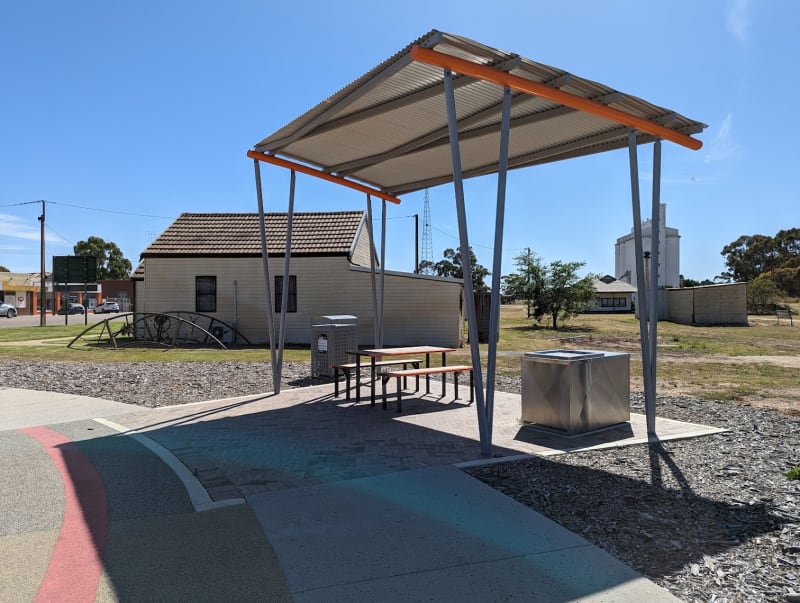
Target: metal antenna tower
x=427, y=239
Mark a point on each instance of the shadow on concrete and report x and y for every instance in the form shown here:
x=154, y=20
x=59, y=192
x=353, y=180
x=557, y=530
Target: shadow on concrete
x=308, y=439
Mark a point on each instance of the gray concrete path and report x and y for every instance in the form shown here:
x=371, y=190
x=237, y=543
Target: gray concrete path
x=27, y=408
x=434, y=535
x=156, y=547
x=355, y=503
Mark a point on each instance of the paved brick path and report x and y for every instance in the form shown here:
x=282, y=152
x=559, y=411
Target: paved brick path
x=305, y=436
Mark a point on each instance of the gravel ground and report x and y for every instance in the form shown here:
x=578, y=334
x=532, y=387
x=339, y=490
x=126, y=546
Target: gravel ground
x=710, y=519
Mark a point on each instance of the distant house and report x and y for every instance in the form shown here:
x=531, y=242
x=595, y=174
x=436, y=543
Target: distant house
x=612, y=295
x=212, y=264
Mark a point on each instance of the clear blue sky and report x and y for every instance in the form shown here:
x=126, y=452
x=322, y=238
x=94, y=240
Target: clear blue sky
x=124, y=114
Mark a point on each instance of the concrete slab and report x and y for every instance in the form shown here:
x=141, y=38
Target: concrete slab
x=191, y=557
x=29, y=408
x=433, y=535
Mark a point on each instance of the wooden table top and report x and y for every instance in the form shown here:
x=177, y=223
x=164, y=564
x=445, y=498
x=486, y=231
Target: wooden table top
x=405, y=351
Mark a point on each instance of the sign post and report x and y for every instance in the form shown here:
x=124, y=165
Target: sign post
x=74, y=269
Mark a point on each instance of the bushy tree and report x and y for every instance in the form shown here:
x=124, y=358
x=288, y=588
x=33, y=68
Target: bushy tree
x=787, y=279
x=111, y=264
x=4, y=269
x=528, y=283
x=751, y=255
x=451, y=266
x=555, y=290
x=761, y=294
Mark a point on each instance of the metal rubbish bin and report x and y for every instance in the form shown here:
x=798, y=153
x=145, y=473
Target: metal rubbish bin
x=330, y=342
x=575, y=391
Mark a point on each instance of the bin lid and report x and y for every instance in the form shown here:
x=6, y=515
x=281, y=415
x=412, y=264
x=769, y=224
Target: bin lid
x=566, y=354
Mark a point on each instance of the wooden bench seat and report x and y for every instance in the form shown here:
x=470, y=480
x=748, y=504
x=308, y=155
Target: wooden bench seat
x=348, y=368
x=455, y=370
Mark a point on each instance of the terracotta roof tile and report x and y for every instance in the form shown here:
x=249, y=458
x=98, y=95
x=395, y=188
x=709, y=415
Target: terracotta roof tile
x=313, y=233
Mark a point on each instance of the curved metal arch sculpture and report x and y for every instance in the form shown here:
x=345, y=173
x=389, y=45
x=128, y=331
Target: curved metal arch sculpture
x=167, y=329
x=218, y=328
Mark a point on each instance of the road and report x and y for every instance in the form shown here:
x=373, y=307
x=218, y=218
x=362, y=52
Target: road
x=33, y=321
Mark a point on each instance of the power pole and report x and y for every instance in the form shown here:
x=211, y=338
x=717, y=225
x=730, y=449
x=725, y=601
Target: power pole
x=427, y=242
x=43, y=294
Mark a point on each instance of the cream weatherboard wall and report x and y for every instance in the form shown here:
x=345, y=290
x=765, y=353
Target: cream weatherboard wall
x=418, y=309
x=359, y=255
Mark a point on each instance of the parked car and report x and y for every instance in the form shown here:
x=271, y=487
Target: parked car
x=108, y=306
x=8, y=310
x=72, y=309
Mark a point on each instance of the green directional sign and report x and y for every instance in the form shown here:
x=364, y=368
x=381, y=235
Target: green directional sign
x=74, y=268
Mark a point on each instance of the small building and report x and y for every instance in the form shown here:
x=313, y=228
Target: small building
x=24, y=291
x=723, y=304
x=212, y=264
x=612, y=295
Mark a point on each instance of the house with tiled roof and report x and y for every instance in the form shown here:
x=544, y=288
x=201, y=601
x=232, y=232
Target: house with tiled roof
x=212, y=264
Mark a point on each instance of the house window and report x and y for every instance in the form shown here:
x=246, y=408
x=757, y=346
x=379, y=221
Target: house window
x=291, y=305
x=612, y=302
x=205, y=294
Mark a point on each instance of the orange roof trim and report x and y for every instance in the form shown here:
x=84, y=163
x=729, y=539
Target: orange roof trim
x=304, y=169
x=501, y=78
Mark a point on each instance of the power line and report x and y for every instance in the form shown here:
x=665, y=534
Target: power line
x=25, y=203
x=50, y=228
x=113, y=211
x=109, y=211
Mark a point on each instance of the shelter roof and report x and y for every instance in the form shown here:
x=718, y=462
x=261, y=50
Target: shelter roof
x=389, y=128
x=237, y=234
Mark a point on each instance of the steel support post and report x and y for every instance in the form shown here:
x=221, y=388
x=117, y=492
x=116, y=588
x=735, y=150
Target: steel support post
x=466, y=263
x=376, y=325
x=655, y=262
x=383, y=267
x=499, y=223
x=285, y=284
x=641, y=287
x=276, y=377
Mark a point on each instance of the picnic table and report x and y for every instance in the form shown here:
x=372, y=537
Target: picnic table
x=398, y=352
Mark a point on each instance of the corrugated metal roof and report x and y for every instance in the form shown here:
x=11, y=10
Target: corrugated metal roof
x=313, y=233
x=615, y=286
x=388, y=129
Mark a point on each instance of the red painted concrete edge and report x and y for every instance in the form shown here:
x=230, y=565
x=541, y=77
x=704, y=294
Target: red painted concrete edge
x=76, y=564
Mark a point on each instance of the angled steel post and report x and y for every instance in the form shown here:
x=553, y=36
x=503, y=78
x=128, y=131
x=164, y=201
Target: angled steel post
x=641, y=286
x=494, y=316
x=466, y=263
x=655, y=246
x=383, y=269
x=376, y=323
x=276, y=376
x=285, y=284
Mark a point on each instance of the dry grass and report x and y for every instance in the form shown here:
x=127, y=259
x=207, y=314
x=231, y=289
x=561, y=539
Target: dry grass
x=756, y=364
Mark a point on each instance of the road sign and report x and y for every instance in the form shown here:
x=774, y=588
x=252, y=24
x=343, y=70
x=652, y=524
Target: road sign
x=74, y=269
